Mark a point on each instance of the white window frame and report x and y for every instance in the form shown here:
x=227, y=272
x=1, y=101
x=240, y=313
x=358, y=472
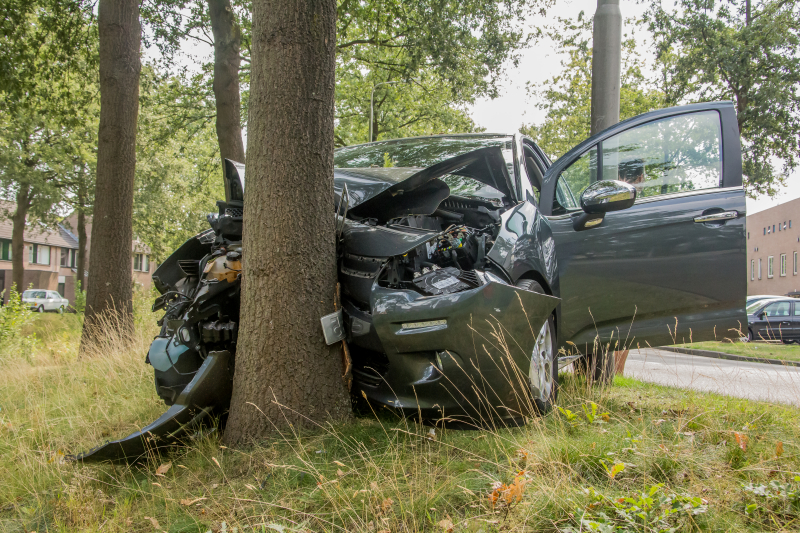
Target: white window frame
x=759, y=268
x=783, y=265
x=752, y=270
x=144, y=263
x=795, y=262
x=770, y=265
x=35, y=254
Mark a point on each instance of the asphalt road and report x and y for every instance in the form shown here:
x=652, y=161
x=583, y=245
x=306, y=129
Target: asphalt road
x=756, y=381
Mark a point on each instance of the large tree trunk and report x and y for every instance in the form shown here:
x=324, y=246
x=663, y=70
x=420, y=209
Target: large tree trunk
x=110, y=278
x=18, y=237
x=227, y=42
x=285, y=374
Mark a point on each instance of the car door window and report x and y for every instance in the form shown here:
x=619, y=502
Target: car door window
x=796, y=310
x=675, y=154
x=778, y=309
x=574, y=180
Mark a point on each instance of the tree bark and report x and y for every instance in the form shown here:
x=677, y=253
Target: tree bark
x=18, y=237
x=227, y=44
x=285, y=374
x=109, y=284
x=81, y=274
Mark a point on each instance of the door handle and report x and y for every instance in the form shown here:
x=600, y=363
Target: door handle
x=722, y=216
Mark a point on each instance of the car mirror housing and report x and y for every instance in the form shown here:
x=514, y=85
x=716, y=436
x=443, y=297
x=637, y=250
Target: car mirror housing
x=607, y=195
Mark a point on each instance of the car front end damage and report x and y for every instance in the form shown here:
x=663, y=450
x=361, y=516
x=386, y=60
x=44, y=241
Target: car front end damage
x=432, y=322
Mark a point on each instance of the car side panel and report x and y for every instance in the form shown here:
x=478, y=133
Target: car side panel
x=623, y=283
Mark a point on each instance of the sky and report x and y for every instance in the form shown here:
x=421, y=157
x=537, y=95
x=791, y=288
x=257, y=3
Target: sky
x=542, y=61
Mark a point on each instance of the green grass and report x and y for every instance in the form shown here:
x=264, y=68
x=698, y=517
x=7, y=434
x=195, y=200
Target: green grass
x=693, y=455
x=787, y=352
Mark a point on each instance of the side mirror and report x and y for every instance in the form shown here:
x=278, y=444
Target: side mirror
x=607, y=195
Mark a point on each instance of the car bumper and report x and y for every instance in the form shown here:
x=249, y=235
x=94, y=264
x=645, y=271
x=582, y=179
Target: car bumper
x=460, y=355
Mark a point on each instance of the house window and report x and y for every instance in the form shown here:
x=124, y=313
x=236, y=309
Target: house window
x=752, y=269
x=769, y=266
x=795, y=263
x=69, y=257
x=748, y=235
x=141, y=263
x=5, y=250
x=759, y=268
x=39, y=254
x=783, y=265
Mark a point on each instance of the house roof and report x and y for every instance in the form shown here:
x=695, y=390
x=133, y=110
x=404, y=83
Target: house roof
x=38, y=233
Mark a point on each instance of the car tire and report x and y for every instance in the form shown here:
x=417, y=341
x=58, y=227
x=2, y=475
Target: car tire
x=40, y=309
x=750, y=336
x=61, y=310
x=544, y=359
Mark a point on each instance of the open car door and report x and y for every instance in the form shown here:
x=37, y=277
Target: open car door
x=672, y=267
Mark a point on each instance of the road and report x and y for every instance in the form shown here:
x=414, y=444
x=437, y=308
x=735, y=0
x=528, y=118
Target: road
x=756, y=381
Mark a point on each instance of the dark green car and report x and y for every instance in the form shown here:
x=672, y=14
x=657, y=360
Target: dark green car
x=472, y=268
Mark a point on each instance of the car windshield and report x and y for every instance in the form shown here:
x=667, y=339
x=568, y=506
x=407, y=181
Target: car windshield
x=27, y=294
x=418, y=152
x=753, y=307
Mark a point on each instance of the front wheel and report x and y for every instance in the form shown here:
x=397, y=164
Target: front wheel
x=40, y=309
x=543, y=372
x=61, y=310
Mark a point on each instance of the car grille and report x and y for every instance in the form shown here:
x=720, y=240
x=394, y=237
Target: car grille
x=235, y=212
x=368, y=377
x=369, y=367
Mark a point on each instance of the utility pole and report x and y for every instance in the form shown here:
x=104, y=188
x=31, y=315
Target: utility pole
x=606, y=59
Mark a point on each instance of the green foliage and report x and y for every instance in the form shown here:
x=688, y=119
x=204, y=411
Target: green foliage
x=80, y=299
x=14, y=317
x=654, y=510
x=774, y=502
x=178, y=172
x=567, y=97
x=721, y=50
x=439, y=57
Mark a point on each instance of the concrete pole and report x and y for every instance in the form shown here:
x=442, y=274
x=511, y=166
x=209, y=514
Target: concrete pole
x=606, y=58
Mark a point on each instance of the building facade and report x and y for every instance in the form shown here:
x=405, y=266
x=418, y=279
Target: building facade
x=51, y=258
x=773, y=243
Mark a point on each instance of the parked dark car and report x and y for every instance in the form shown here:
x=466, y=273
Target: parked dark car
x=775, y=319
x=467, y=262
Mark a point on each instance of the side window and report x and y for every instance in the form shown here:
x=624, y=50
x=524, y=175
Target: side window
x=573, y=180
x=796, y=309
x=675, y=154
x=533, y=172
x=778, y=309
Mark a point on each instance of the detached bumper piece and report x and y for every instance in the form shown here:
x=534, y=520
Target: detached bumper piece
x=209, y=392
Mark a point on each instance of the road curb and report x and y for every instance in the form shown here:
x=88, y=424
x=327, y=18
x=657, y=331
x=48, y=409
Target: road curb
x=722, y=355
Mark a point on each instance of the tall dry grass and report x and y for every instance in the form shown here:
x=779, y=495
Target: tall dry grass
x=583, y=467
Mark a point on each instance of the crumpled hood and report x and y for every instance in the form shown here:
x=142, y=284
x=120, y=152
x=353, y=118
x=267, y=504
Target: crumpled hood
x=386, y=193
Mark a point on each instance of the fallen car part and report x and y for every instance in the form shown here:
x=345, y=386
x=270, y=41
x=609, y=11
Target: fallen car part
x=207, y=393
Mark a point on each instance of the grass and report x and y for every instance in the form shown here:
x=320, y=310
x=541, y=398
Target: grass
x=634, y=456
x=786, y=352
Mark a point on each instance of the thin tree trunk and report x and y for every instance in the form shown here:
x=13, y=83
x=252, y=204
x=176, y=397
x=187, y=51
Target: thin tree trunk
x=227, y=43
x=18, y=237
x=285, y=374
x=80, y=278
x=109, y=286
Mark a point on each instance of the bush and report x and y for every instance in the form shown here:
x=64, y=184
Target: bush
x=14, y=316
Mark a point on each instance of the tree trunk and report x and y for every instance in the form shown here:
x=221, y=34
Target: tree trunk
x=81, y=274
x=227, y=42
x=80, y=277
x=285, y=374
x=109, y=284
x=18, y=237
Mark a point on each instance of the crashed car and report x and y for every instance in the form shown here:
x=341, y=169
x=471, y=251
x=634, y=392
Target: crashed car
x=472, y=268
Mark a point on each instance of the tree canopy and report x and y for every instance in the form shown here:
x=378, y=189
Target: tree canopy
x=748, y=53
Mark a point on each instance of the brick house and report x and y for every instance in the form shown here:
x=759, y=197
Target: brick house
x=773, y=243
x=51, y=257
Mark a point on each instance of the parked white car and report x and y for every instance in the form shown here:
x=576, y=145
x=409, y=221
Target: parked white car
x=41, y=300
